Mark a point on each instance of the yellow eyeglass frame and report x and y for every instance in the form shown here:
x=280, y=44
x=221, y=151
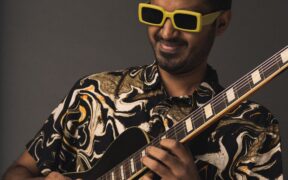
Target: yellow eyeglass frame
x=202, y=20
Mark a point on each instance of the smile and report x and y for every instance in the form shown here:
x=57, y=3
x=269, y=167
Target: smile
x=170, y=47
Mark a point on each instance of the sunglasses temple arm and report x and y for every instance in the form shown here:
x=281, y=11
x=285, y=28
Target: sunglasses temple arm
x=210, y=18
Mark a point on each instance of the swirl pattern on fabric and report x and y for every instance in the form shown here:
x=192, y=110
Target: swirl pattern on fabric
x=245, y=143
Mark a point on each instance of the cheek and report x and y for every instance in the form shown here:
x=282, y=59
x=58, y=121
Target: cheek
x=152, y=32
x=195, y=39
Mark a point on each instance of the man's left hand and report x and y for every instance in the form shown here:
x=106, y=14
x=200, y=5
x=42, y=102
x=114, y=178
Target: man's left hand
x=171, y=161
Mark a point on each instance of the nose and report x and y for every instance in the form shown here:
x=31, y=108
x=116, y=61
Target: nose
x=167, y=30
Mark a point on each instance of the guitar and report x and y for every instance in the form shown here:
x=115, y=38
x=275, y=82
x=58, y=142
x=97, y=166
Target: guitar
x=127, y=164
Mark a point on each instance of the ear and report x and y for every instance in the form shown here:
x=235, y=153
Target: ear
x=223, y=22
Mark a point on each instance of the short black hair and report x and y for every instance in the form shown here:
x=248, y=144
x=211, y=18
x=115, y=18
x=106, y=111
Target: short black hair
x=220, y=4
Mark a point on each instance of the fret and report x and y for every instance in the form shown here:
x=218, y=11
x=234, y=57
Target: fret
x=198, y=122
x=156, y=140
x=105, y=176
x=270, y=70
x=137, y=161
x=244, y=87
x=181, y=133
x=138, y=164
x=220, y=105
x=127, y=169
x=170, y=134
x=280, y=63
x=284, y=56
x=117, y=173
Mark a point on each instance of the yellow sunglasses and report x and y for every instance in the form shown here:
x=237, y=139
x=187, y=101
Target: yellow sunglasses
x=183, y=20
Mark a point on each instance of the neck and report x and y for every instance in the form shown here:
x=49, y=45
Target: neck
x=185, y=83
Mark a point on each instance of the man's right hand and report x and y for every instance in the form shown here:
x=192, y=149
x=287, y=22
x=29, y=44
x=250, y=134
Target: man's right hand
x=56, y=176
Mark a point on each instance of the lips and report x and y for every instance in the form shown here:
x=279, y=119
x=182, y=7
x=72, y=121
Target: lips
x=170, y=47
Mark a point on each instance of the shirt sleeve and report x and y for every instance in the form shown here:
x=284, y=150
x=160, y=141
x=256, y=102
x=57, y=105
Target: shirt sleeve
x=45, y=145
x=260, y=156
x=253, y=143
x=244, y=145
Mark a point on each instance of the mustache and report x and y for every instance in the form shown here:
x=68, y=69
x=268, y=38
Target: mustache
x=177, y=41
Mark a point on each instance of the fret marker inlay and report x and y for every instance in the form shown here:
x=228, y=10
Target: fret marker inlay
x=143, y=153
x=163, y=137
x=284, y=56
x=256, y=76
x=208, y=111
x=132, y=165
x=189, y=126
x=230, y=95
x=122, y=172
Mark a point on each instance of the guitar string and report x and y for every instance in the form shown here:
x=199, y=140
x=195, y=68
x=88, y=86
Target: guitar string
x=176, y=129
x=125, y=164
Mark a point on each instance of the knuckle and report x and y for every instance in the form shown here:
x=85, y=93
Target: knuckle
x=54, y=175
x=181, y=173
x=164, y=156
x=155, y=165
x=174, y=144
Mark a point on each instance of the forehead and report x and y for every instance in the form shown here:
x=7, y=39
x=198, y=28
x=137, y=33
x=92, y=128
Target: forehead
x=171, y=5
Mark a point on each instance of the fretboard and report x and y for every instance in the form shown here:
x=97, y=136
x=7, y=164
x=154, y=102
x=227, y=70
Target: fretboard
x=210, y=112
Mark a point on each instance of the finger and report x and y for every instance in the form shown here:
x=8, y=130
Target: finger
x=56, y=175
x=147, y=176
x=177, y=149
x=156, y=167
x=68, y=178
x=172, y=162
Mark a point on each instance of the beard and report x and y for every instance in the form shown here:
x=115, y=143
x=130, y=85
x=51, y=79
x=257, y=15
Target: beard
x=169, y=62
x=187, y=58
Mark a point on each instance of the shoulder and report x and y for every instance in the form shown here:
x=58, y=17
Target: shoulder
x=249, y=119
x=247, y=141
x=109, y=81
x=252, y=112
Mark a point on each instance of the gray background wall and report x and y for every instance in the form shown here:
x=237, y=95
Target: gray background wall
x=47, y=45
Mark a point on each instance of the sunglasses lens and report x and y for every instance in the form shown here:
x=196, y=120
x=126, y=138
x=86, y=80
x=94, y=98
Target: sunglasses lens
x=185, y=21
x=150, y=15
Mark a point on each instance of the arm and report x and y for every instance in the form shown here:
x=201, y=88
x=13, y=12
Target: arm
x=25, y=169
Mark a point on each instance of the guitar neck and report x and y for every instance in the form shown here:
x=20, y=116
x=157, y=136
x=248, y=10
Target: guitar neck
x=209, y=113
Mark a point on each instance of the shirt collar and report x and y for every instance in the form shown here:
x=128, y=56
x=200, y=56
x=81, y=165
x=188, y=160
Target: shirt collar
x=208, y=87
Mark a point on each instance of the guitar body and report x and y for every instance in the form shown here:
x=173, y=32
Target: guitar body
x=125, y=145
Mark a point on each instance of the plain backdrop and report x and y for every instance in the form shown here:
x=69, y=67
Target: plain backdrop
x=46, y=45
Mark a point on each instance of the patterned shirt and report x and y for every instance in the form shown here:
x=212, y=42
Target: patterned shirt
x=243, y=144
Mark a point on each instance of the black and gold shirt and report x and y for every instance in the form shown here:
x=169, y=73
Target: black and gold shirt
x=244, y=144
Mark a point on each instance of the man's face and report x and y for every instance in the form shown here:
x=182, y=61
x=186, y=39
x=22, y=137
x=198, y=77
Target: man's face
x=177, y=51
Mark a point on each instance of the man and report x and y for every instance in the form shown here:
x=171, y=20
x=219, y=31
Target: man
x=243, y=144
